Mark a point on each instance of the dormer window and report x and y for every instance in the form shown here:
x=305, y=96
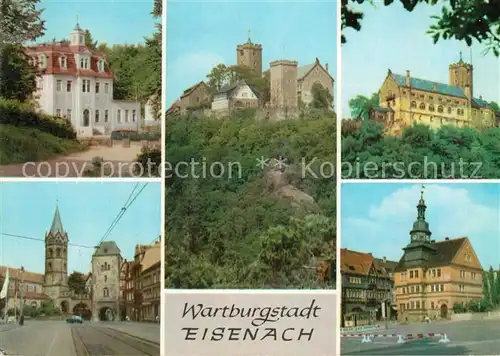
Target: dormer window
x=84, y=63
x=100, y=65
x=42, y=60
x=63, y=62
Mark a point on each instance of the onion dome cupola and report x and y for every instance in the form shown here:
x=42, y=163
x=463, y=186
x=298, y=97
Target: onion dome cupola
x=420, y=231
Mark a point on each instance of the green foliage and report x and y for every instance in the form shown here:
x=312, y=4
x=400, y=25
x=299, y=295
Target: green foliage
x=76, y=282
x=24, y=144
x=149, y=161
x=463, y=20
x=221, y=75
x=322, y=99
x=20, y=21
x=17, y=75
x=361, y=106
x=240, y=230
x=89, y=41
x=420, y=152
x=23, y=115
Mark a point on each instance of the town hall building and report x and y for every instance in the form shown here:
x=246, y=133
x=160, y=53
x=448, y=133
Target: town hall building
x=76, y=83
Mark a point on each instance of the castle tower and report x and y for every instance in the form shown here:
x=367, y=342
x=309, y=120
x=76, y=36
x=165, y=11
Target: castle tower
x=77, y=36
x=250, y=55
x=420, y=249
x=283, y=77
x=461, y=75
x=56, y=259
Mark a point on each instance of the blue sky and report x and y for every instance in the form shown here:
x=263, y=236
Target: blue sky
x=202, y=34
x=377, y=218
x=394, y=38
x=113, y=22
x=87, y=210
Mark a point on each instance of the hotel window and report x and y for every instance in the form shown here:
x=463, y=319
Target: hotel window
x=97, y=115
x=68, y=114
x=422, y=106
x=81, y=63
x=441, y=287
x=133, y=115
x=105, y=115
x=86, y=63
x=58, y=112
x=413, y=104
x=97, y=87
x=411, y=274
x=42, y=60
x=412, y=289
x=407, y=305
x=431, y=107
x=126, y=115
x=68, y=86
x=439, y=272
x=106, y=88
x=59, y=85
x=473, y=275
x=462, y=273
x=461, y=288
x=418, y=304
x=449, y=109
x=416, y=274
x=440, y=108
x=119, y=116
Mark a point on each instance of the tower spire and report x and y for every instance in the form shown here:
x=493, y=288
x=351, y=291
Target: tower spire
x=249, y=35
x=57, y=225
x=460, y=57
x=420, y=231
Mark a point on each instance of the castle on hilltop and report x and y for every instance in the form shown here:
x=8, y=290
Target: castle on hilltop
x=404, y=100
x=291, y=86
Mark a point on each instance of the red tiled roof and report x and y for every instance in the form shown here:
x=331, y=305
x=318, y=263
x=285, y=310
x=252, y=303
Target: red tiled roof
x=56, y=50
x=15, y=273
x=355, y=262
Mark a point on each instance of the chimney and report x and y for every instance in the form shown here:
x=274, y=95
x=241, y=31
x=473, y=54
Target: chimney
x=408, y=78
x=384, y=259
x=467, y=92
x=326, y=67
x=447, y=239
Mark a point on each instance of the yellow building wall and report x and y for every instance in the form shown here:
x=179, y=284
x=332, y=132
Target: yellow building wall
x=406, y=114
x=459, y=282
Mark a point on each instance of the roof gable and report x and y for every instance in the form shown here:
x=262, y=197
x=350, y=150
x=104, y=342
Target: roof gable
x=303, y=71
x=466, y=249
x=429, y=86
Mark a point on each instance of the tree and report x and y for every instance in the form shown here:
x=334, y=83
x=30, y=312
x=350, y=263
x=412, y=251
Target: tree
x=20, y=21
x=76, y=282
x=89, y=41
x=361, y=106
x=218, y=77
x=322, y=99
x=495, y=106
x=17, y=75
x=463, y=20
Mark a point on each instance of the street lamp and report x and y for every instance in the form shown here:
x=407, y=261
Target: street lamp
x=21, y=287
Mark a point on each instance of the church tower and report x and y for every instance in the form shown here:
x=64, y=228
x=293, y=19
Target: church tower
x=56, y=258
x=77, y=36
x=250, y=55
x=420, y=249
x=461, y=76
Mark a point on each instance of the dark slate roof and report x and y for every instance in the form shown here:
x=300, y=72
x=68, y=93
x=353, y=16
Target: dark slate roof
x=57, y=225
x=445, y=252
x=378, y=108
x=107, y=248
x=389, y=266
x=481, y=102
x=427, y=85
x=227, y=88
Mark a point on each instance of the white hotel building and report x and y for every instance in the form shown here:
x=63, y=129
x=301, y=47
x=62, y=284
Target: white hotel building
x=76, y=83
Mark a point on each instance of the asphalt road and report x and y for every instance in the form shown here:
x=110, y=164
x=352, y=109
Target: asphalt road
x=466, y=338
x=47, y=338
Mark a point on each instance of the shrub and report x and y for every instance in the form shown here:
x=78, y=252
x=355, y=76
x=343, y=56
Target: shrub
x=13, y=112
x=149, y=161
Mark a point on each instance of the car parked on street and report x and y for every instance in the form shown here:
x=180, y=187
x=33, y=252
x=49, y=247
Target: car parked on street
x=75, y=319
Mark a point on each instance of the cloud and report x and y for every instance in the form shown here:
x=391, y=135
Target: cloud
x=451, y=212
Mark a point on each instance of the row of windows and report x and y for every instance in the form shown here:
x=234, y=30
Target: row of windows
x=126, y=116
x=49, y=266
x=50, y=252
x=420, y=289
x=85, y=62
x=440, y=108
x=430, y=97
x=365, y=294
x=463, y=275
x=431, y=273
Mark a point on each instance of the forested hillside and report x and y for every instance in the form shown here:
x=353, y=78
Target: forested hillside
x=420, y=152
x=249, y=227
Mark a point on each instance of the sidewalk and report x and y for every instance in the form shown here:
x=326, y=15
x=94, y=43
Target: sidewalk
x=147, y=331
